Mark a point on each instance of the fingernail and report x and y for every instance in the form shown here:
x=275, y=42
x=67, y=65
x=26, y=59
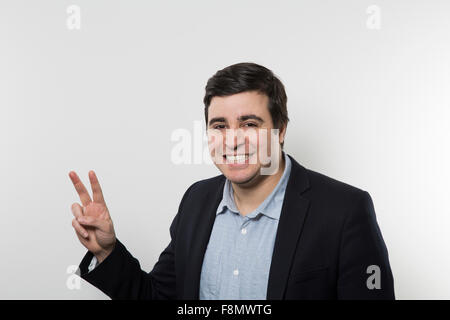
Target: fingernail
x=85, y=234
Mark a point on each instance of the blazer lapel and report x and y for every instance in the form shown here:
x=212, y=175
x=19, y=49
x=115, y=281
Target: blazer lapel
x=293, y=214
x=205, y=217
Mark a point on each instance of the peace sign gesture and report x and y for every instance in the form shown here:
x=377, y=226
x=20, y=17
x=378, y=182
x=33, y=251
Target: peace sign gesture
x=92, y=222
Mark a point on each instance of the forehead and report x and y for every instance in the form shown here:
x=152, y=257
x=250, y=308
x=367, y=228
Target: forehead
x=233, y=106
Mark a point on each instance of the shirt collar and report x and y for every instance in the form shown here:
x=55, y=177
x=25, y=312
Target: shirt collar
x=271, y=206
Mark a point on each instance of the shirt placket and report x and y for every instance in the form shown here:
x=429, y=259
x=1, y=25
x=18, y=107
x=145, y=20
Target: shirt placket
x=238, y=252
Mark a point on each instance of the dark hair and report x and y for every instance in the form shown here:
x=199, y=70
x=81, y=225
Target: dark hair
x=247, y=76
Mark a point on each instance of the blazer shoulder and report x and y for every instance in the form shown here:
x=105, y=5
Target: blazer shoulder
x=330, y=188
x=334, y=199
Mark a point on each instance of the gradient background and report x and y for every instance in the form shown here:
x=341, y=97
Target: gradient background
x=367, y=107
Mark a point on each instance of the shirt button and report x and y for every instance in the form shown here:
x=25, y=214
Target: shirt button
x=236, y=272
x=243, y=230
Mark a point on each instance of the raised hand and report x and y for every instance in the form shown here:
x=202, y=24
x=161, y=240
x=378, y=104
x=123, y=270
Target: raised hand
x=92, y=222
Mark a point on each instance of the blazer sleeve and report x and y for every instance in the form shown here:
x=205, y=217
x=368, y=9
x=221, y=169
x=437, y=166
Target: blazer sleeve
x=120, y=276
x=364, y=270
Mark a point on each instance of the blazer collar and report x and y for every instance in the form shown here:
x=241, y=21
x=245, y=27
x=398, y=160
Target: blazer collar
x=270, y=207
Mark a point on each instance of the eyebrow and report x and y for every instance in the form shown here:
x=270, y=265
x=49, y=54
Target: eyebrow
x=241, y=118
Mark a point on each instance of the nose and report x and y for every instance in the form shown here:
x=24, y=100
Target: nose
x=234, y=140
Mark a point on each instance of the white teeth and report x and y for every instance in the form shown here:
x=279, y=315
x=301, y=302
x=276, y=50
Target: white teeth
x=237, y=158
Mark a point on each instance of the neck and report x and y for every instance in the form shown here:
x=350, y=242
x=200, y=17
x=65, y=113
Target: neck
x=249, y=196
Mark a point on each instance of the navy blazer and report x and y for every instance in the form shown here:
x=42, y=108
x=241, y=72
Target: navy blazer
x=326, y=245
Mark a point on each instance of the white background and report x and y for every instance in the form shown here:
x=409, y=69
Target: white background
x=367, y=107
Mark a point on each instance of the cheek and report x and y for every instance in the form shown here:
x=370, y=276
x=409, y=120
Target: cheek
x=215, y=143
x=263, y=140
x=213, y=147
x=253, y=141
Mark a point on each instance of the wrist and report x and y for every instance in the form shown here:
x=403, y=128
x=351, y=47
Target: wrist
x=103, y=254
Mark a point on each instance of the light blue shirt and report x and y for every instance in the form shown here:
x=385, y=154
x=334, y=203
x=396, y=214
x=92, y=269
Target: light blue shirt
x=237, y=260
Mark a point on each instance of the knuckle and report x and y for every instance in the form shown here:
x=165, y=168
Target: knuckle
x=74, y=223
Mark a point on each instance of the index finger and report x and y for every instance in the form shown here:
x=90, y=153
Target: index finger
x=79, y=186
x=96, y=189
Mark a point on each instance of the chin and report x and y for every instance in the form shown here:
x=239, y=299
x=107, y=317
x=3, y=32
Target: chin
x=239, y=176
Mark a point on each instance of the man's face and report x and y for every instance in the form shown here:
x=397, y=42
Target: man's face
x=248, y=117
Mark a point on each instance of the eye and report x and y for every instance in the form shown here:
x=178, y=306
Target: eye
x=251, y=124
x=219, y=126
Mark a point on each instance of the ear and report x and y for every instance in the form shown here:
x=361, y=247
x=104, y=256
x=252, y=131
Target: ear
x=282, y=133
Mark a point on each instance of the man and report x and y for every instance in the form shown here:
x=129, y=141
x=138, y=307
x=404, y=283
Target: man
x=290, y=234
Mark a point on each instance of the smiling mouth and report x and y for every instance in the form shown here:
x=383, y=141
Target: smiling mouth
x=237, y=158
